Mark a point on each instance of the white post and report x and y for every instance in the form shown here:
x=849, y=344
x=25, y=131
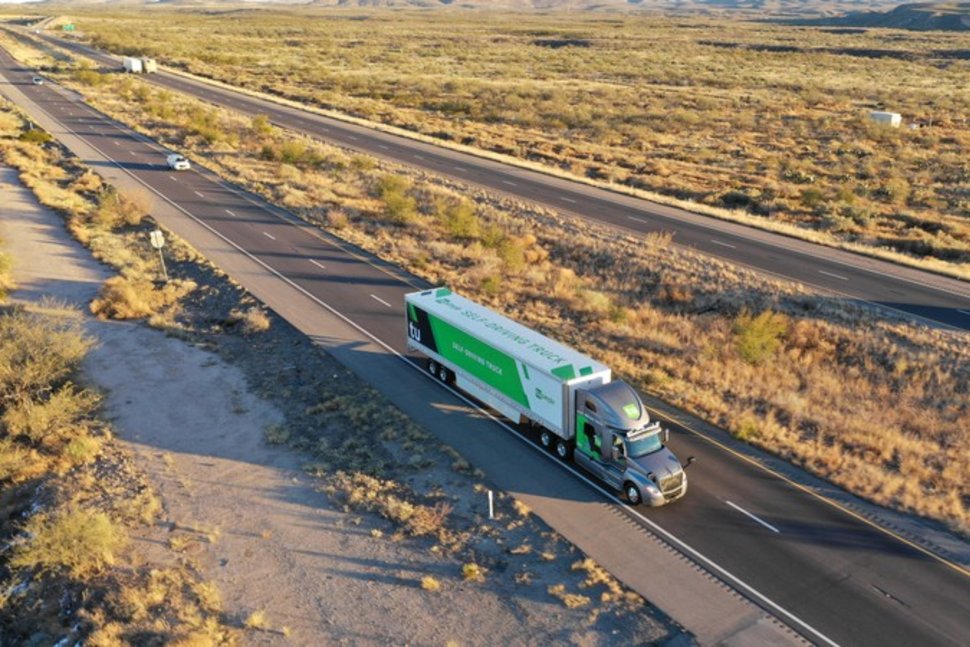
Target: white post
x=161, y=257
x=491, y=505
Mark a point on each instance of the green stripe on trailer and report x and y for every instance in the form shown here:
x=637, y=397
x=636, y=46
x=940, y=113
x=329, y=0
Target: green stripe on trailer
x=441, y=292
x=586, y=370
x=489, y=365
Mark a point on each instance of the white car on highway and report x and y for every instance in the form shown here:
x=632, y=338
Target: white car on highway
x=178, y=162
x=38, y=80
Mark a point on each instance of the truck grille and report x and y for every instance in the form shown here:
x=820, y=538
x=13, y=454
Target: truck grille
x=671, y=485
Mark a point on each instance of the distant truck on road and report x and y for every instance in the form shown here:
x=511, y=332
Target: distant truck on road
x=577, y=410
x=139, y=65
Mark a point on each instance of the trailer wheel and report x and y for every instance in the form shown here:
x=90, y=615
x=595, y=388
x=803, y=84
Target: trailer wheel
x=545, y=438
x=563, y=451
x=445, y=375
x=433, y=367
x=632, y=493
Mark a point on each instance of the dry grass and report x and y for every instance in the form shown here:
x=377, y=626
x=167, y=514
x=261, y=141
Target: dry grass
x=699, y=109
x=125, y=298
x=251, y=320
x=571, y=600
x=875, y=404
x=256, y=620
x=472, y=572
x=429, y=583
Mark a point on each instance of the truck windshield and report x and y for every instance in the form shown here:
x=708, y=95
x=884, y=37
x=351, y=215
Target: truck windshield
x=643, y=446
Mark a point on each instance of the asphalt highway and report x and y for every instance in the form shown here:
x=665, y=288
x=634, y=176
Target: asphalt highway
x=928, y=296
x=845, y=581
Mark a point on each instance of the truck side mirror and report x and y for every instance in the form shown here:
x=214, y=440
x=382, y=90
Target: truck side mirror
x=690, y=461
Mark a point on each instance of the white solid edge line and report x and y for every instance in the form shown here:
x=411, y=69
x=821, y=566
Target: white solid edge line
x=964, y=312
x=269, y=236
x=835, y=276
x=380, y=300
x=509, y=183
x=723, y=244
x=683, y=546
x=635, y=219
x=565, y=199
x=748, y=514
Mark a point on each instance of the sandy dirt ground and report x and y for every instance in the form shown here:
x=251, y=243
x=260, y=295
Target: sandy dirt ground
x=246, y=514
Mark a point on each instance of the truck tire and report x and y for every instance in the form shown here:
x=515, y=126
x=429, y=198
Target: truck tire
x=433, y=367
x=545, y=438
x=632, y=493
x=445, y=376
x=563, y=450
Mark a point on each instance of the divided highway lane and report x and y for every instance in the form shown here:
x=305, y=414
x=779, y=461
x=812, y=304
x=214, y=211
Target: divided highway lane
x=931, y=297
x=852, y=583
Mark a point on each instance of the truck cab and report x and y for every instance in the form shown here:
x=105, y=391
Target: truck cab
x=616, y=441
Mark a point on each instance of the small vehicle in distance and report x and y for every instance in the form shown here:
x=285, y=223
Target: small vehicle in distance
x=178, y=162
x=38, y=80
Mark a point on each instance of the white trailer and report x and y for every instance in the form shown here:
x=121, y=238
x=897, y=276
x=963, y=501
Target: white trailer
x=568, y=397
x=891, y=119
x=132, y=64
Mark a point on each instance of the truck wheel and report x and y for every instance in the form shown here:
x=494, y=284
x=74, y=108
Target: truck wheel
x=632, y=493
x=444, y=375
x=433, y=367
x=545, y=438
x=563, y=450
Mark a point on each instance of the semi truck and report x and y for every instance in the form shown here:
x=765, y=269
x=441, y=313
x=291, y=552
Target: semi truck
x=576, y=409
x=139, y=65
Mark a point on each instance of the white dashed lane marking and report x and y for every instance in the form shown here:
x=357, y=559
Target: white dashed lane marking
x=834, y=276
x=748, y=514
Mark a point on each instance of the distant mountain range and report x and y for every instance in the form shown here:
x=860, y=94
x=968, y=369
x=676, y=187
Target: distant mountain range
x=763, y=8
x=945, y=16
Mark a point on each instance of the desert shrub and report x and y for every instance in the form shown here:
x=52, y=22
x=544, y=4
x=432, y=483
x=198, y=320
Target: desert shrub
x=812, y=198
x=126, y=298
x=260, y=125
x=895, y=190
x=116, y=209
x=35, y=136
x=759, y=337
x=400, y=207
x=512, y=253
x=79, y=542
x=89, y=77
x=458, y=218
x=205, y=124
x=37, y=352
x=50, y=423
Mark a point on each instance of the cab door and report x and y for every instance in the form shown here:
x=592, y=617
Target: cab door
x=612, y=457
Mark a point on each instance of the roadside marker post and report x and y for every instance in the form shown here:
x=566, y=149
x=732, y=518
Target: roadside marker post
x=158, y=241
x=491, y=505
